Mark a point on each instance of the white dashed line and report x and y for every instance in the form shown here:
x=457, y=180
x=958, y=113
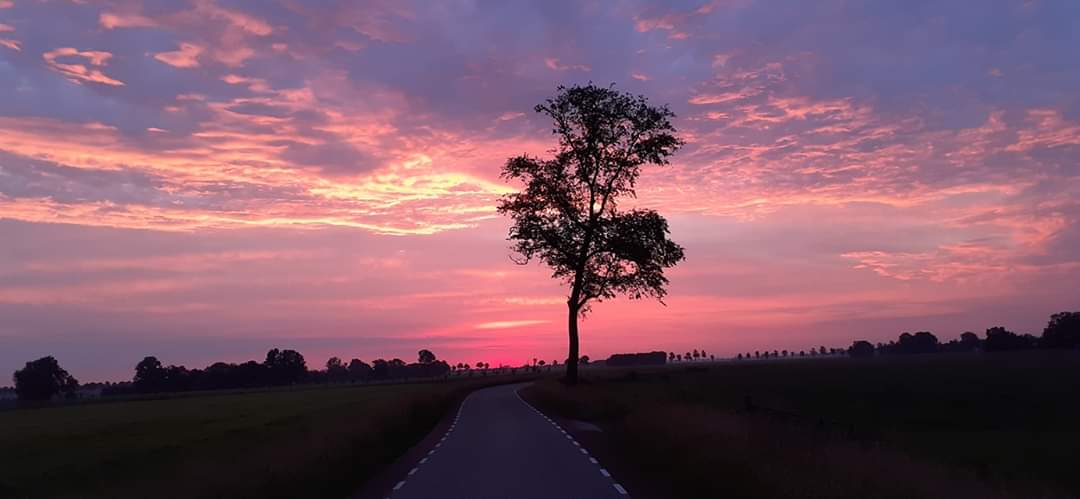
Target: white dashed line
x=583, y=451
x=424, y=460
x=593, y=460
x=412, y=471
x=605, y=472
x=576, y=443
x=399, y=485
x=620, y=489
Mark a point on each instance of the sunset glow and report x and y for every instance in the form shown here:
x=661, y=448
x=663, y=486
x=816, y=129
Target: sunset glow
x=205, y=180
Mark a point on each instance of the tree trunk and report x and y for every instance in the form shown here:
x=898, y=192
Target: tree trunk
x=572, y=358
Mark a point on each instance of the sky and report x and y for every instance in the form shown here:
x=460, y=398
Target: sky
x=204, y=180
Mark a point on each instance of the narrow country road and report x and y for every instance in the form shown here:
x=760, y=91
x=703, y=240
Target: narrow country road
x=500, y=447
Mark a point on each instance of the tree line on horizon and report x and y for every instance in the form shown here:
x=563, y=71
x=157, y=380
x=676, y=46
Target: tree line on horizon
x=43, y=379
x=1061, y=332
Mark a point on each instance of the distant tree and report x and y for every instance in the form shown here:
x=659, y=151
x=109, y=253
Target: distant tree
x=861, y=349
x=802, y=353
x=739, y=357
x=970, y=339
x=696, y=354
x=336, y=370
x=542, y=363
x=42, y=379
x=479, y=365
x=584, y=360
x=149, y=375
x=679, y=357
x=1063, y=331
x=555, y=362
x=822, y=350
x=380, y=369
x=757, y=354
x=425, y=356
x=285, y=366
x=712, y=357
x=999, y=339
x=783, y=353
x=671, y=356
x=359, y=370
x=567, y=216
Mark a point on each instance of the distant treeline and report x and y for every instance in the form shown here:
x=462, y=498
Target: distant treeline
x=1062, y=331
x=44, y=379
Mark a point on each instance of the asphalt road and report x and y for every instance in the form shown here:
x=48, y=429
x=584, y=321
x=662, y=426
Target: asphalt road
x=500, y=447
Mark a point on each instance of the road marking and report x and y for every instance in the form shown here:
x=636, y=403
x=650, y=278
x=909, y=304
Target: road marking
x=602, y=472
x=412, y=472
x=593, y=460
x=583, y=451
x=568, y=437
x=575, y=443
x=399, y=485
x=620, y=489
x=438, y=444
x=424, y=460
x=430, y=452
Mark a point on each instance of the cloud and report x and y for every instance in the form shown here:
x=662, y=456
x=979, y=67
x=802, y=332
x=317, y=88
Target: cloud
x=113, y=20
x=79, y=73
x=554, y=64
x=187, y=56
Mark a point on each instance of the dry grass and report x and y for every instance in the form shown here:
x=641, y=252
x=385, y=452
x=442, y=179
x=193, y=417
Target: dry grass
x=688, y=430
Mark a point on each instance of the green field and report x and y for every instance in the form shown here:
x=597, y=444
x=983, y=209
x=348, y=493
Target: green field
x=948, y=425
x=310, y=442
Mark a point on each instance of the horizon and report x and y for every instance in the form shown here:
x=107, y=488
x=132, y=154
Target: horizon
x=205, y=181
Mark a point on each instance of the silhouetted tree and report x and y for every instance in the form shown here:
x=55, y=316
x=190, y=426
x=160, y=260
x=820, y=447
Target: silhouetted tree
x=567, y=215
x=425, y=356
x=861, y=349
x=1063, y=331
x=336, y=370
x=822, y=350
x=149, y=375
x=999, y=339
x=671, y=356
x=43, y=378
x=359, y=370
x=584, y=360
x=739, y=356
x=970, y=340
x=285, y=366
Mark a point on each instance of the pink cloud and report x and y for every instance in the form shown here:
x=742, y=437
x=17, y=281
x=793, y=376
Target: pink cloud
x=79, y=73
x=113, y=20
x=187, y=56
x=554, y=64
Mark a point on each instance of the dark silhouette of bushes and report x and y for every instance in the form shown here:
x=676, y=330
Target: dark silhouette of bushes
x=637, y=359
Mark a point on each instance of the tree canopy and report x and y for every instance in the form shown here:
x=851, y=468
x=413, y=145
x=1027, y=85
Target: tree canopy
x=42, y=379
x=568, y=213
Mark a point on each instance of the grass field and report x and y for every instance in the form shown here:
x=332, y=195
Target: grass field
x=979, y=425
x=312, y=442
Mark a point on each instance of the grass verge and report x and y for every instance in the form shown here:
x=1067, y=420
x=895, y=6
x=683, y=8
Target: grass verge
x=276, y=444
x=918, y=427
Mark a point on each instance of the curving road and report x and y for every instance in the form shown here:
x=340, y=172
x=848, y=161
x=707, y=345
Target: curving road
x=498, y=446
